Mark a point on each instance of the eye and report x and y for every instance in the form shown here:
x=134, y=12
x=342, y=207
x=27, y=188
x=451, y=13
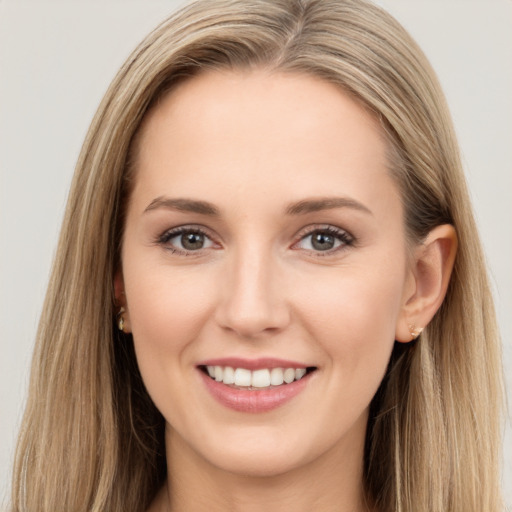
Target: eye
x=328, y=239
x=185, y=239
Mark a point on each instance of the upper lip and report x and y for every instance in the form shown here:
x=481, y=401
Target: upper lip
x=253, y=364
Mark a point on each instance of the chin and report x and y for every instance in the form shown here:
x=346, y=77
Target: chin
x=258, y=465
x=266, y=452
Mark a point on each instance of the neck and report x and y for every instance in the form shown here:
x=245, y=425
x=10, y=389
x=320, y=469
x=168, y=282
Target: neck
x=331, y=482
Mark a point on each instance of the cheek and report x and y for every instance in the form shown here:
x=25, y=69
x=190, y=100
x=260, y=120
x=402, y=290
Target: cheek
x=354, y=318
x=167, y=308
x=355, y=302
x=351, y=319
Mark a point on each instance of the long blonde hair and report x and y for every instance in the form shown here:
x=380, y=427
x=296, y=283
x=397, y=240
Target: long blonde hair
x=92, y=440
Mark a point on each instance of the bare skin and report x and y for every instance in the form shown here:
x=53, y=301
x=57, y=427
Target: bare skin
x=264, y=224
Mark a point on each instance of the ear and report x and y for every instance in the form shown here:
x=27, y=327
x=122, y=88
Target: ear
x=121, y=303
x=427, y=282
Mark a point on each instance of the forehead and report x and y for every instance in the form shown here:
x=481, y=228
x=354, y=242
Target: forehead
x=257, y=131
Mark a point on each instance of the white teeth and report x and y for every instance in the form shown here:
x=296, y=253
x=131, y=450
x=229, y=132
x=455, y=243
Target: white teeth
x=276, y=376
x=229, y=375
x=243, y=377
x=289, y=375
x=262, y=378
x=299, y=373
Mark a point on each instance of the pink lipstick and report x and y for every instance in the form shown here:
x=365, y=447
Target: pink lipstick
x=255, y=385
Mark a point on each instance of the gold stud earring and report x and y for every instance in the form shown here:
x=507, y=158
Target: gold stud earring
x=120, y=319
x=414, y=332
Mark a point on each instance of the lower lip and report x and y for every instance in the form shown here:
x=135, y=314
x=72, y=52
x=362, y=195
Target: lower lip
x=255, y=401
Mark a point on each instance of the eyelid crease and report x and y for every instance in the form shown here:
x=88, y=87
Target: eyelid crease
x=179, y=230
x=334, y=230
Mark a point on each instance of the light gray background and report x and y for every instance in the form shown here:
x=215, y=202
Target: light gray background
x=56, y=61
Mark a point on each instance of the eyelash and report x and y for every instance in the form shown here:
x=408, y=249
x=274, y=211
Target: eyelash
x=168, y=235
x=345, y=239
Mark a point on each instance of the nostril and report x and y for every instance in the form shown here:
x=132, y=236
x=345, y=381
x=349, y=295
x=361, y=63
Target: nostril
x=251, y=307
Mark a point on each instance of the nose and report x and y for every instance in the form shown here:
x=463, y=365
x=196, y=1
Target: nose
x=253, y=300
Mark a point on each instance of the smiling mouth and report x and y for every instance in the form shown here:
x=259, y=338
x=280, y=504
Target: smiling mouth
x=255, y=380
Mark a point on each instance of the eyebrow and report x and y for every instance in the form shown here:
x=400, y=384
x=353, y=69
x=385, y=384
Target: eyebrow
x=325, y=203
x=183, y=205
x=300, y=208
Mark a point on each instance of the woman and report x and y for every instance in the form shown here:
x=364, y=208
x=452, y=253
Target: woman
x=269, y=197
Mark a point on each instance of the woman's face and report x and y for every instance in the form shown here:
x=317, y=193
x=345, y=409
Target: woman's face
x=264, y=239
